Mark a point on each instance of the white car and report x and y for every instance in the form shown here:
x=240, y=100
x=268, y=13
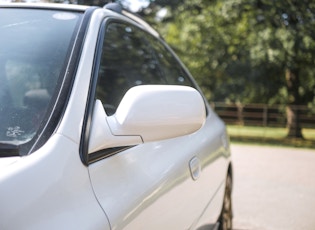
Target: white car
x=102, y=127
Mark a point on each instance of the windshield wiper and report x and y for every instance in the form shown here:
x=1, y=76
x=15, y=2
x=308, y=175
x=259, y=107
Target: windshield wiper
x=9, y=150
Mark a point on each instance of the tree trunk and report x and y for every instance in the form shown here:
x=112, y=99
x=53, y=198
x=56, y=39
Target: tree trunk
x=293, y=125
x=293, y=121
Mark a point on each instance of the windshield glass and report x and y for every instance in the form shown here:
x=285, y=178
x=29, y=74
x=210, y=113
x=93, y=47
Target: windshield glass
x=34, y=45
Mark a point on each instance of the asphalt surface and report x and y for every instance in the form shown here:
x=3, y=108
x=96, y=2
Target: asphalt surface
x=274, y=188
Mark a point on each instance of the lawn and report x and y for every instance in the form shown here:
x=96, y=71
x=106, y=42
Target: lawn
x=270, y=136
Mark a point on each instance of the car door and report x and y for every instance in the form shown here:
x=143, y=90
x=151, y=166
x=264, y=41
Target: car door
x=158, y=185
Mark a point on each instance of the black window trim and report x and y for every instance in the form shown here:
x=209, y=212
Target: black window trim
x=87, y=158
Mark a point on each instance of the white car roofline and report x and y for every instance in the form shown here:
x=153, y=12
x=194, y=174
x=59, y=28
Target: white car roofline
x=57, y=6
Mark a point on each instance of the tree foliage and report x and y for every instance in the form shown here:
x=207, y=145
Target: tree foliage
x=249, y=51
x=246, y=51
x=240, y=50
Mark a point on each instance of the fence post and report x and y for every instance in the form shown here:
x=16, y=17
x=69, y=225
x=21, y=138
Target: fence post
x=265, y=116
x=240, y=113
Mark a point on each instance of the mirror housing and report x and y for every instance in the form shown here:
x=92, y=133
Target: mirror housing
x=148, y=113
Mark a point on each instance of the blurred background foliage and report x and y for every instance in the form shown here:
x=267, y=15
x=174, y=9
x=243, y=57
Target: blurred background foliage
x=247, y=51
x=240, y=51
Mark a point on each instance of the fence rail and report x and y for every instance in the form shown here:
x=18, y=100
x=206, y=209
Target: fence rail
x=262, y=115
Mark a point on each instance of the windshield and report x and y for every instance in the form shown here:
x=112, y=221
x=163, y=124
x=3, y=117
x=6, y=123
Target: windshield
x=33, y=49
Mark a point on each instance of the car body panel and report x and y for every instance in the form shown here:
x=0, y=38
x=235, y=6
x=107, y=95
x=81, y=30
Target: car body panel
x=49, y=188
x=154, y=175
x=72, y=121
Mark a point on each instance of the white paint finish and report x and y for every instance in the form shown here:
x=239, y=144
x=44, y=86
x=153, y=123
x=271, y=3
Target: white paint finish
x=6, y=161
x=128, y=183
x=46, y=5
x=157, y=112
x=49, y=189
x=150, y=186
x=71, y=124
x=100, y=131
x=147, y=113
x=209, y=218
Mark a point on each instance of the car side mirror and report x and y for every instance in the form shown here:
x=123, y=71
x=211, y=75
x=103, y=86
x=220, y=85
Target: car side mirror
x=148, y=113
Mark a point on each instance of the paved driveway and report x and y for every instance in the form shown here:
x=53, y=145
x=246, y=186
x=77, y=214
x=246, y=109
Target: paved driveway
x=274, y=188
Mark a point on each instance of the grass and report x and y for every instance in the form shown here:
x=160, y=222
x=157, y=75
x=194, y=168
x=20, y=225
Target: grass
x=270, y=136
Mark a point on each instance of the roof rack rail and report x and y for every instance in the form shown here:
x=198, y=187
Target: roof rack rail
x=114, y=6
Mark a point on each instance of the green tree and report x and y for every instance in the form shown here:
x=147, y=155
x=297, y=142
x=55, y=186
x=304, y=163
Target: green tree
x=255, y=51
x=246, y=51
x=286, y=38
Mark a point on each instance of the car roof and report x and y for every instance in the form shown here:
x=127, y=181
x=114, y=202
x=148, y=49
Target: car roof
x=70, y=7
x=82, y=8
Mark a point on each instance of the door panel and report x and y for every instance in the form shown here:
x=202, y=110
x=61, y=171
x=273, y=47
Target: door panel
x=150, y=186
x=130, y=185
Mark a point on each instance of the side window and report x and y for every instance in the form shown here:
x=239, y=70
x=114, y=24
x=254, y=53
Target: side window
x=172, y=71
x=126, y=61
x=133, y=57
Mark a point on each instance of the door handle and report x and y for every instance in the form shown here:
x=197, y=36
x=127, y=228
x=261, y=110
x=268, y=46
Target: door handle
x=195, y=168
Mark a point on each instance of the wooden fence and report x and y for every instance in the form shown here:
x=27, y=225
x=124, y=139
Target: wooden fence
x=262, y=115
